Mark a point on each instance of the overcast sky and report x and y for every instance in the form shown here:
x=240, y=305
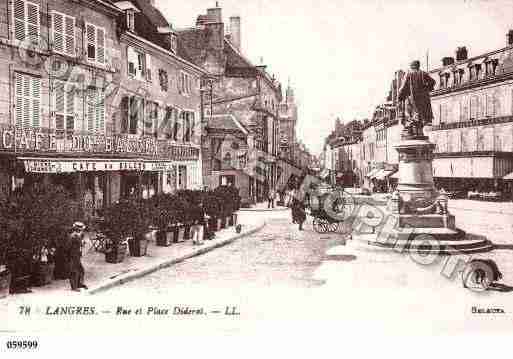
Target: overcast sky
x=341, y=54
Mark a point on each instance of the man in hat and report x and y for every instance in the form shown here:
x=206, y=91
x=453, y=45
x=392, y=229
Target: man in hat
x=76, y=275
x=415, y=92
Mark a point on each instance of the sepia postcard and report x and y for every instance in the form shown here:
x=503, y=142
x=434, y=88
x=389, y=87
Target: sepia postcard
x=335, y=171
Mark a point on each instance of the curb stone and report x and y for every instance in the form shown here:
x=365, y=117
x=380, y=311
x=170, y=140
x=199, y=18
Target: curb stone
x=124, y=278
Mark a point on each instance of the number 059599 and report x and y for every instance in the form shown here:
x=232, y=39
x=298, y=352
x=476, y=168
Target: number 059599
x=22, y=344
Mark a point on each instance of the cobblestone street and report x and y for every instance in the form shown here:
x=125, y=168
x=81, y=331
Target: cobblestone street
x=330, y=280
x=278, y=255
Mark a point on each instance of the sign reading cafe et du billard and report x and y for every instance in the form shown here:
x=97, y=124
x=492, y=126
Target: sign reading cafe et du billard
x=41, y=141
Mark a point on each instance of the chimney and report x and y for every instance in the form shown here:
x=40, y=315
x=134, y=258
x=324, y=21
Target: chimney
x=235, y=31
x=446, y=61
x=214, y=14
x=509, y=36
x=461, y=53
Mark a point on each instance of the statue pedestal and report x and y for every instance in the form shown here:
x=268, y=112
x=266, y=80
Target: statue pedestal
x=416, y=217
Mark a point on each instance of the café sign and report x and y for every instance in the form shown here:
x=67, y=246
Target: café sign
x=48, y=141
x=50, y=165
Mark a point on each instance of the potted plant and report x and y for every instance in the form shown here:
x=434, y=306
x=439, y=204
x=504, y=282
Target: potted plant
x=212, y=208
x=126, y=221
x=228, y=204
x=180, y=207
x=165, y=218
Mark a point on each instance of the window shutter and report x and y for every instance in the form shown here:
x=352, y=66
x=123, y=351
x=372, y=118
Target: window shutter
x=100, y=110
x=90, y=99
x=124, y=115
x=58, y=32
x=36, y=102
x=33, y=22
x=19, y=99
x=132, y=60
x=70, y=108
x=148, y=67
x=69, y=31
x=59, y=105
x=100, y=42
x=91, y=42
x=19, y=20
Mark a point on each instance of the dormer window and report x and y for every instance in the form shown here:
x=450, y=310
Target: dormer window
x=475, y=72
x=491, y=67
x=444, y=80
x=458, y=77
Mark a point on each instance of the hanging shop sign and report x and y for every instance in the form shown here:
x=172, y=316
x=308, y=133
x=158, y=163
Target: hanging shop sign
x=48, y=141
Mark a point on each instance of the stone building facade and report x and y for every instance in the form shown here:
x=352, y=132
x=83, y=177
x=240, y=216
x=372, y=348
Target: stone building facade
x=236, y=89
x=65, y=118
x=473, y=119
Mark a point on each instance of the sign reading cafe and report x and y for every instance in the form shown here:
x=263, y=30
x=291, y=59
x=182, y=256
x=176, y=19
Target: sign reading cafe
x=44, y=141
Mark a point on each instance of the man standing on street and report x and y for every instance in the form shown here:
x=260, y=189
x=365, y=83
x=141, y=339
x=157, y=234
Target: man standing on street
x=76, y=275
x=270, y=198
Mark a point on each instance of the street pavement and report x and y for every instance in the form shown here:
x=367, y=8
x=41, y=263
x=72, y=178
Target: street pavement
x=283, y=275
x=281, y=272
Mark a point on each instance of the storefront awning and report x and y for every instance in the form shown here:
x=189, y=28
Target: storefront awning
x=72, y=165
x=509, y=176
x=395, y=175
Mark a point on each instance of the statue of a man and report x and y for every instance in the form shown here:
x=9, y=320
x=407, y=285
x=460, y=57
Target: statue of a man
x=415, y=92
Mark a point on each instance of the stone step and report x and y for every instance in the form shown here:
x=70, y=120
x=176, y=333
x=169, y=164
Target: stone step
x=467, y=244
x=428, y=220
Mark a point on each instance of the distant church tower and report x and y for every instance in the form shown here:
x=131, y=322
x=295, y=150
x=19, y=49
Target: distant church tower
x=288, y=121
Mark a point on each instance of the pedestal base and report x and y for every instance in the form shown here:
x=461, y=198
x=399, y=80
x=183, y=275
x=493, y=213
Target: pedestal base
x=427, y=241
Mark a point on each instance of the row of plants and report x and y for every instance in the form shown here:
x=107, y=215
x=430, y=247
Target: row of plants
x=35, y=225
x=129, y=225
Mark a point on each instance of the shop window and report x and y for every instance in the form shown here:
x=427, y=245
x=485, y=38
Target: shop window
x=28, y=100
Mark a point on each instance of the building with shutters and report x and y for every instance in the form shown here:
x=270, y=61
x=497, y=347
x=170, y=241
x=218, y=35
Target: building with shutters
x=159, y=99
x=240, y=90
x=473, y=120
x=91, y=104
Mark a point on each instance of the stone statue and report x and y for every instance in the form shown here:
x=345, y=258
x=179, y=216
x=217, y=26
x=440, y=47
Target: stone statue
x=414, y=91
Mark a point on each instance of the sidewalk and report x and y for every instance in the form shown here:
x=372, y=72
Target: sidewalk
x=481, y=206
x=100, y=275
x=263, y=207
